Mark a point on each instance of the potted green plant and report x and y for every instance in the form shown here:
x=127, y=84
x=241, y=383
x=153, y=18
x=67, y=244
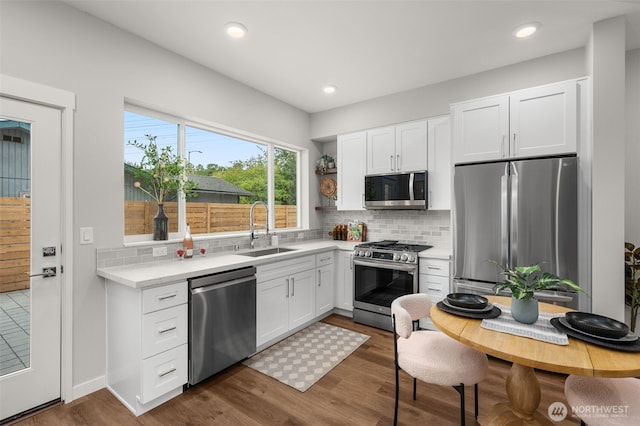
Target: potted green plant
x=524, y=281
x=160, y=174
x=632, y=281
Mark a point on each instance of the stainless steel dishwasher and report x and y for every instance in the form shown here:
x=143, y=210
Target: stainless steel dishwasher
x=222, y=321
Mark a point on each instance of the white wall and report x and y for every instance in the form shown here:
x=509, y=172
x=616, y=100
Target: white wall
x=607, y=54
x=632, y=155
x=52, y=44
x=434, y=100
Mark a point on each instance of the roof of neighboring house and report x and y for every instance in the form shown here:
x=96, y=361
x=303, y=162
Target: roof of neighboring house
x=12, y=124
x=217, y=185
x=210, y=184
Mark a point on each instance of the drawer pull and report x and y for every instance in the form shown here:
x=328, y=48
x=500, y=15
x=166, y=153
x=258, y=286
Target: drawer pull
x=435, y=289
x=433, y=267
x=166, y=330
x=167, y=372
x=167, y=296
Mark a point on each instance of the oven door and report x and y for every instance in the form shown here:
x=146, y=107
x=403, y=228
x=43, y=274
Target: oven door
x=377, y=284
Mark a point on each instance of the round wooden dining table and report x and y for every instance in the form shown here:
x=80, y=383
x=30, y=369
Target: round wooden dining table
x=523, y=389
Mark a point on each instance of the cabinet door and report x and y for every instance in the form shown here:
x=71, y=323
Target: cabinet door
x=481, y=129
x=301, y=298
x=439, y=163
x=544, y=120
x=381, y=150
x=351, y=165
x=324, y=289
x=344, y=281
x=272, y=309
x=411, y=146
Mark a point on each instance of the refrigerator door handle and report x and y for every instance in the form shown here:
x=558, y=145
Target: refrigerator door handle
x=504, y=218
x=514, y=215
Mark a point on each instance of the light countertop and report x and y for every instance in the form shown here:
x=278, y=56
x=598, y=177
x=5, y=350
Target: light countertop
x=148, y=274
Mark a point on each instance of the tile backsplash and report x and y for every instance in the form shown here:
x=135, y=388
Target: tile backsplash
x=431, y=227
x=411, y=226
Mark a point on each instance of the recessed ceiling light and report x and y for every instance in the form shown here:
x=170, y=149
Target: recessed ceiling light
x=526, y=30
x=235, y=29
x=329, y=89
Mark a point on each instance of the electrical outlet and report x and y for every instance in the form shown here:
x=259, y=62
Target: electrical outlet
x=159, y=251
x=300, y=235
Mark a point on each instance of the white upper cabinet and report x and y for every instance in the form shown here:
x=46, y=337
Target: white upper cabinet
x=480, y=129
x=401, y=148
x=532, y=122
x=439, y=163
x=351, y=163
x=543, y=120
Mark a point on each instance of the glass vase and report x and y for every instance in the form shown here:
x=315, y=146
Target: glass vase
x=160, y=224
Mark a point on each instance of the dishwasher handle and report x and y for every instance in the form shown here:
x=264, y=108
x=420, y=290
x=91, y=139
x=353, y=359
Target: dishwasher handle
x=222, y=277
x=212, y=287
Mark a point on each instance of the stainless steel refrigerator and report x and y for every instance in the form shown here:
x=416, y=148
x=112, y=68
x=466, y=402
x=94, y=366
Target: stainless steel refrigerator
x=516, y=213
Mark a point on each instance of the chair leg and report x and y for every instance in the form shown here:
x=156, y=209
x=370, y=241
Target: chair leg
x=475, y=397
x=582, y=423
x=414, y=388
x=395, y=411
x=460, y=389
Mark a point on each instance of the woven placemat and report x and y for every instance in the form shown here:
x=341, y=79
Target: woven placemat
x=539, y=330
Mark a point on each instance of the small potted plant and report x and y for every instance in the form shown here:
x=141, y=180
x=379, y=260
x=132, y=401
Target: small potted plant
x=160, y=175
x=524, y=281
x=632, y=281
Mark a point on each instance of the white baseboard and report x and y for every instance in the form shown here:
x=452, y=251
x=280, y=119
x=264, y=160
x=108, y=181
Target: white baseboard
x=88, y=387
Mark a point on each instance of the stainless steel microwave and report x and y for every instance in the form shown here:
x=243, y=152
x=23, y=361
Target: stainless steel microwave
x=401, y=191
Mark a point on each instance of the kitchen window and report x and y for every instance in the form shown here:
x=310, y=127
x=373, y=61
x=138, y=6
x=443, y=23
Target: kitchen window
x=229, y=171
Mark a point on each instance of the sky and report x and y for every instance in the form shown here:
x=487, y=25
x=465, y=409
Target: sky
x=215, y=148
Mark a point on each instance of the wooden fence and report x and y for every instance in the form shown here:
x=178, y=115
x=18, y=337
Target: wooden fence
x=15, y=235
x=203, y=218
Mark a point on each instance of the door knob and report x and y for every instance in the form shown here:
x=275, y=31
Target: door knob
x=47, y=272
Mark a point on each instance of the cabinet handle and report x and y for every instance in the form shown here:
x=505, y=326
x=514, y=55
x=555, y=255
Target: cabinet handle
x=287, y=288
x=398, y=162
x=166, y=330
x=166, y=372
x=435, y=289
x=502, y=147
x=391, y=162
x=293, y=287
x=434, y=267
x=430, y=198
x=319, y=278
x=513, y=149
x=167, y=296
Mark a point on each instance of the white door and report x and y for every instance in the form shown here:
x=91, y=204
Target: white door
x=30, y=235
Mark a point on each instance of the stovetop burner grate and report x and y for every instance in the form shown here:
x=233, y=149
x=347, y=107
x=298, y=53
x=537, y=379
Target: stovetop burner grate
x=394, y=245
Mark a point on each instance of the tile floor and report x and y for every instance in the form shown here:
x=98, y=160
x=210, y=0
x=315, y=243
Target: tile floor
x=14, y=331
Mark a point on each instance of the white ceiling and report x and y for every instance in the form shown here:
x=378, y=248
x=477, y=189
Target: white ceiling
x=366, y=48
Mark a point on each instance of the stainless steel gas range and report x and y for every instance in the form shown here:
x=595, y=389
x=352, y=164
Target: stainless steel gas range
x=383, y=271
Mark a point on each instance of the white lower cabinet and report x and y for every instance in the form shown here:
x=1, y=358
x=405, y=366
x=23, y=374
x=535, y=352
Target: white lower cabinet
x=435, y=281
x=147, y=354
x=285, y=297
x=325, y=278
x=344, y=280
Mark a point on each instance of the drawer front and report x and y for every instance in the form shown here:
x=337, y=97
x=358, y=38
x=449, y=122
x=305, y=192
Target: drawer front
x=324, y=259
x=435, y=267
x=435, y=286
x=163, y=373
x=156, y=298
x=283, y=268
x=163, y=330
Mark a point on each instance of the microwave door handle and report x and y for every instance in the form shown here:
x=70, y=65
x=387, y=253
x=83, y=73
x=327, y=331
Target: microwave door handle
x=411, y=196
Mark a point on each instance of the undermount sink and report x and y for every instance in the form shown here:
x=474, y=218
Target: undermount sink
x=267, y=251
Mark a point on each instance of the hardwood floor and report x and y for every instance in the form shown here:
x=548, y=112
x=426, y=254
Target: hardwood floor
x=359, y=391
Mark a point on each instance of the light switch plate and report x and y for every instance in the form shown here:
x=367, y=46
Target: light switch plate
x=86, y=235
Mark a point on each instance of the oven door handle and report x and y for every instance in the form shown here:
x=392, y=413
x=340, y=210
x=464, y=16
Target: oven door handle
x=396, y=267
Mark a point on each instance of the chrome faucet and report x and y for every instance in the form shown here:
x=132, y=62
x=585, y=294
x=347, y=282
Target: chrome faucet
x=253, y=235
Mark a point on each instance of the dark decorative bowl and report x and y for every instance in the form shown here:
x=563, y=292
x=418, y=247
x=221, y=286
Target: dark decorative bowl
x=467, y=300
x=597, y=325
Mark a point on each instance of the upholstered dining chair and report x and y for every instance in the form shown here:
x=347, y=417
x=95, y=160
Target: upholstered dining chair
x=432, y=356
x=598, y=396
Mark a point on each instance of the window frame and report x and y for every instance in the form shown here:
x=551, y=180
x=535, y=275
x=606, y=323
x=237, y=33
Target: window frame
x=271, y=145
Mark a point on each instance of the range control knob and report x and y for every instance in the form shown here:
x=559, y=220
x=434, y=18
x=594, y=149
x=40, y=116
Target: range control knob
x=396, y=256
x=411, y=258
x=360, y=253
x=367, y=253
x=403, y=258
